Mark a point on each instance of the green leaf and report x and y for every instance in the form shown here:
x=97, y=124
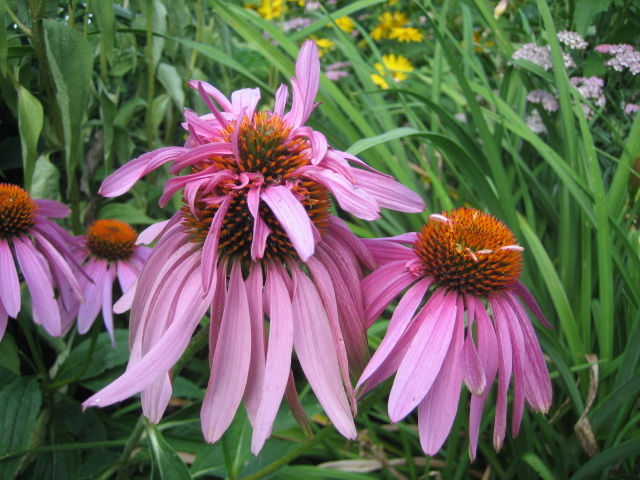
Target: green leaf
x=169, y=464
x=172, y=82
x=30, y=121
x=539, y=466
x=106, y=17
x=586, y=10
x=597, y=465
x=46, y=179
x=104, y=356
x=236, y=443
x=70, y=58
x=9, y=357
x=20, y=401
x=394, y=134
x=125, y=213
x=4, y=47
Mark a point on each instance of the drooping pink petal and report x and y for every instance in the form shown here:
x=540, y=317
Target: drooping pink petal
x=423, y=360
x=152, y=232
x=155, y=399
x=10, y=291
x=126, y=273
x=217, y=309
x=212, y=91
x=278, y=357
x=530, y=302
x=388, y=192
x=316, y=352
x=93, y=293
x=193, y=155
x=107, y=301
x=230, y=362
x=260, y=229
x=505, y=362
x=159, y=359
x=324, y=286
x=386, y=252
x=305, y=85
x=472, y=370
x=210, y=248
x=402, y=316
x=292, y=217
x=126, y=176
x=488, y=355
x=256, y=375
x=538, y=390
x=38, y=281
x=382, y=286
x=438, y=409
x=340, y=232
x=4, y=317
x=52, y=208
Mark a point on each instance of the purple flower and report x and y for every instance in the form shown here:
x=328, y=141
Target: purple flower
x=572, y=40
x=472, y=327
x=255, y=237
x=108, y=251
x=41, y=249
x=548, y=101
x=541, y=56
x=631, y=108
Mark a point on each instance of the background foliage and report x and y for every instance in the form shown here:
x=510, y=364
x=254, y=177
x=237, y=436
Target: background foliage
x=86, y=86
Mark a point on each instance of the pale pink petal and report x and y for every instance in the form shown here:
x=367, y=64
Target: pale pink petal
x=282, y=95
x=126, y=274
x=245, y=99
x=472, y=370
x=505, y=361
x=530, y=302
x=316, y=352
x=230, y=362
x=278, y=357
x=438, y=409
x=305, y=85
x=210, y=248
x=388, y=192
x=292, y=217
x=3, y=321
x=155, y=364
x=318, y=147
x=336, y=163
x=152, y=232
x=423, y=360
x=217, y=309
x=126, y=176
x=260, y=229
x=10, y=291
x=340, y=232
x=386, y=252
x=107, y=301
x=126, y=300
x=255, y=378
x=400, y=320
x=212, y=91
x=156, y=398
x=488, y=355
x=52, y=208
x=194, y=155
x=382, y=286
x=38, y=280
x=93, y=294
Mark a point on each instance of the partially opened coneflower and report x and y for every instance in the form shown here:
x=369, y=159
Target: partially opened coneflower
x=255, y=238
x=41, y=249
x=107, y=251
x=462, y=271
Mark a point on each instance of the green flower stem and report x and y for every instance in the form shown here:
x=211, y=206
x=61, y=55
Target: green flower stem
x=14, y=18
x=133, y=441
x=281, y=462
x=35, y=351
x=95, y=330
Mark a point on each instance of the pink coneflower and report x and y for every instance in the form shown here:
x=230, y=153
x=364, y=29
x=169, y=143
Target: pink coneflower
x=255, y=237
x=41, y=249
x=473, y=326
x=108, y=251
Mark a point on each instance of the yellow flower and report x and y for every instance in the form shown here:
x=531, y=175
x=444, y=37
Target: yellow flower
x=324, y=45
x=300, y=2
x=396, y=65
x=408, y=34
x=270, y=9
x=388, y=21
x=345, y=24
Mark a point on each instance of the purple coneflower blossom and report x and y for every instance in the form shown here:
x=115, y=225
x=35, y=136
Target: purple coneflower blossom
x=108, y=251
x=466, y=265
x=41, y=249
x=255, y=237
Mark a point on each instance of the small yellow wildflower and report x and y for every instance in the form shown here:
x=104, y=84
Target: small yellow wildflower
x=387, y=22
x=324, y=45
x=270, y=9
x=397, y=65
x=345, y=24
x=405, y=34
x=299, y=2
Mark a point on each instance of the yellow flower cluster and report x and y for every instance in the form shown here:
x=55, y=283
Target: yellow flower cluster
x=392, y=26
x=395, y=65
x=270, y=9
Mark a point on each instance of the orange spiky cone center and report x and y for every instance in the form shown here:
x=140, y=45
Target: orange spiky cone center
x=17, y=211
x=111, y=239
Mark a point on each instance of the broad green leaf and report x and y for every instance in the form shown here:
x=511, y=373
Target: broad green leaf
x=125, y=213
x=366, y=143
x=585, y=12
x=9, y=357
x=70, y=58
x=20, y=401
x=172, y=82
x=170, y=465
x=105, y=15
x=539, y=466
x=30, y=121
x=58, y=464
x=46, y=179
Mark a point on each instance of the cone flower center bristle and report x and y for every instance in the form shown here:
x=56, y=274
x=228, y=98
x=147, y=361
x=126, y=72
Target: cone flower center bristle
x=267, y=155
x=111, y=239
x=17, y=211
x=469, y=251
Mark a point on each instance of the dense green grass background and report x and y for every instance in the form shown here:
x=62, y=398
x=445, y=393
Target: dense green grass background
x=86, y=86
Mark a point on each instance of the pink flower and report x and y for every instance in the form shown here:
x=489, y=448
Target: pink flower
x=41, y=249
x=108, y=251
x=461, y=263
x=255, y=237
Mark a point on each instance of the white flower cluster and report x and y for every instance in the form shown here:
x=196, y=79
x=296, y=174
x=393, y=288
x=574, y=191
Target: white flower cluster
x=546, y=99
x=572, y=40
x=535, y=123
x=541, y=56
